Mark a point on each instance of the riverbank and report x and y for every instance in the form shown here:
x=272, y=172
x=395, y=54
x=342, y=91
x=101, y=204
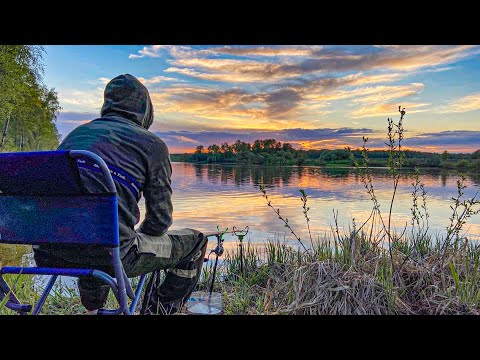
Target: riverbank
x=272, y=153
x=460, y=165
x=340, y=275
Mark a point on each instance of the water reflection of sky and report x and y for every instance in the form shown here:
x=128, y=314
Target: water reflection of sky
x=209, y=195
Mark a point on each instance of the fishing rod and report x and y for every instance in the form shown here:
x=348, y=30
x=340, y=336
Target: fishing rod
x=240, y=235
x=218, y=251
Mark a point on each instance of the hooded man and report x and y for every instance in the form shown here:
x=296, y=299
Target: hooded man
x=121, y=138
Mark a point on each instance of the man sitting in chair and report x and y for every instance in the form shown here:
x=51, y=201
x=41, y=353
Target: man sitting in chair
x=121, y=138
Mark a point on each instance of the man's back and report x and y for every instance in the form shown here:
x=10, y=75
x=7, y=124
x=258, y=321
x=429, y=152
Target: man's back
x=139, y=162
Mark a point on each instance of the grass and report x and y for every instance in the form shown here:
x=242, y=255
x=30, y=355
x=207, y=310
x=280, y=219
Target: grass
x=324, y=280
x=331, y=279
x=63, y=299
x=327, y=279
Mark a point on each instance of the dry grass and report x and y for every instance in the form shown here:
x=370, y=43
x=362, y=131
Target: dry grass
x=325, y=282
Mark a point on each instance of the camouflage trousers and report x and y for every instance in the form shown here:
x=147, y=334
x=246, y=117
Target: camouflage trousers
x=178, y=251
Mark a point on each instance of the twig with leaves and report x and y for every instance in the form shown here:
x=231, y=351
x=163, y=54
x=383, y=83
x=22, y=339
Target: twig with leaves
x=277, y=211
x=305, y=212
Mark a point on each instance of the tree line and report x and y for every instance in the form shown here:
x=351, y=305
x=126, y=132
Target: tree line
x=272, y=152
x=28, y=108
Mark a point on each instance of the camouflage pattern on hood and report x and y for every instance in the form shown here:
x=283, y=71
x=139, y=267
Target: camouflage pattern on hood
x=125, y=96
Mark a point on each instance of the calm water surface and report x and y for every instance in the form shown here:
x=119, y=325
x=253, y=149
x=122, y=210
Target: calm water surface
x=209, y=195
x=226, y=195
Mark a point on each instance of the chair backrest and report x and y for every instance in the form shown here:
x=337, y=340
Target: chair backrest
x=43, y=200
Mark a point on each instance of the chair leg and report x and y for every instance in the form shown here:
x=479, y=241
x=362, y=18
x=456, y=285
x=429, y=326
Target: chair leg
x=138, y=292
x=119, y=276
x=44, y=296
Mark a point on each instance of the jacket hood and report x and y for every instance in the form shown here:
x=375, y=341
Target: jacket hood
x=125, y=96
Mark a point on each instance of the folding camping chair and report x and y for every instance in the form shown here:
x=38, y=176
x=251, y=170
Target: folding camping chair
x=43, y=201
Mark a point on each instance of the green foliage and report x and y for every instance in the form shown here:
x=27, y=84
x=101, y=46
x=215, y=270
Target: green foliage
x=28, y=108
x=272, y=152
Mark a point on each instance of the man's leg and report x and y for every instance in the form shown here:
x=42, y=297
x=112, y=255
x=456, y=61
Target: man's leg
x=93, y=293
x=180, y=253
x=181, y=280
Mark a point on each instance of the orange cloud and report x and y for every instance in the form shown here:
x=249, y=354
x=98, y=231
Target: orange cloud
x=285, y=50
x=387, y=109
x=464, y=104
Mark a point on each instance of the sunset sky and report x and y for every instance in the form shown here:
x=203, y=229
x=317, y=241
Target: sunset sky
x=311, y=96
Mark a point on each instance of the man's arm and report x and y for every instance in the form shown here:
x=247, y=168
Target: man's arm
x=158, y=192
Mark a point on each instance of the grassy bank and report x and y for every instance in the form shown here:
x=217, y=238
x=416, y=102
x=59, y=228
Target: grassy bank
x=353, y=276
x=345, y=275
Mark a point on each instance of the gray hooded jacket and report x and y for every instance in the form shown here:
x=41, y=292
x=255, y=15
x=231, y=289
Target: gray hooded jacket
x=121, y=138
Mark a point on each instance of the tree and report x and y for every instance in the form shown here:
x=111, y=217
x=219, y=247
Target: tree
x=257, y=147
x=287, y=147
x=214, y=149
x=28, y=109
x=226, y=150
x=268, y=145
x=445, y=155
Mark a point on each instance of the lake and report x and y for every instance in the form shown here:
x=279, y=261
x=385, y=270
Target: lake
x=226, y=195
x=207, y=196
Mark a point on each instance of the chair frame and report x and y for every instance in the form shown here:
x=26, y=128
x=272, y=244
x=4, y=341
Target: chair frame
x=120, y=283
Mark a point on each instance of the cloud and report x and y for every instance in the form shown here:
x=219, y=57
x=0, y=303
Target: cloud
x=319, y=60
x=156, y=79
x=230, y=69
x=282, y=50
x=382, y=94
x=459, y=140
x=152, y=80
x=441, y=69
x=179, y=51
x=463, y=104
x=69, y=120
x=148, y=51
x=254, y=85
x=76, y=116
x=286, y=104
x=403, y=58
x=81, y=100
x=219, y=77
x=176, y=51
x=208, y=63
x=388, y=109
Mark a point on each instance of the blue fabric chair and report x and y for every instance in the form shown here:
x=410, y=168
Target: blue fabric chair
x=43, y=201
